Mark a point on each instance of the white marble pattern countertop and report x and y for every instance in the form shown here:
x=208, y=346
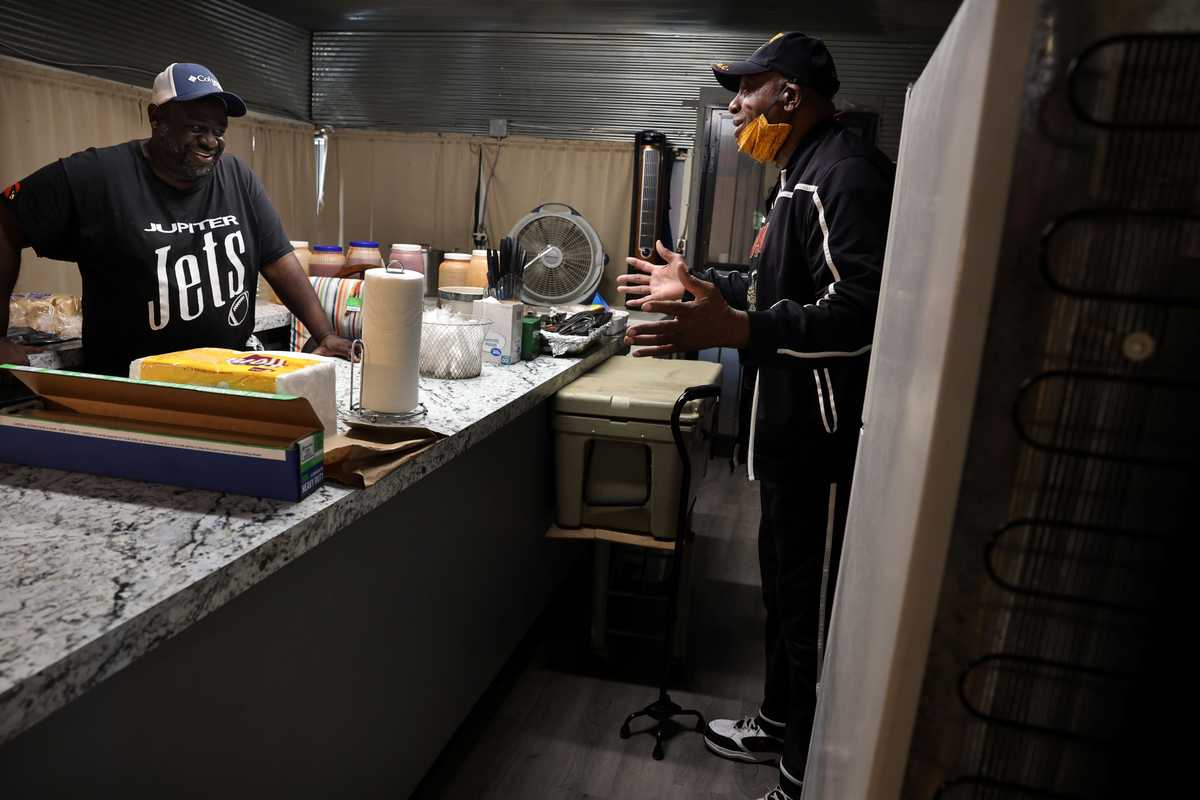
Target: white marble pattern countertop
x=270, y=315
x=95, y=572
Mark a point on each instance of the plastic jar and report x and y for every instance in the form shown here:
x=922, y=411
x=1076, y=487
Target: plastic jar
x=303, y=254
x=477, y=274
x=410, y=256
x=365, y=255
x=453, y=269
x=327, y=261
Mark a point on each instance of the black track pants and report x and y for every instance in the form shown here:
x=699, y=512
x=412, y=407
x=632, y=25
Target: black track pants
x=803, y=521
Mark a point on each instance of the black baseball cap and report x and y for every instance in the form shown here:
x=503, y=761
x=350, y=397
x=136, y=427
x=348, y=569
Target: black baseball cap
x=796, y=56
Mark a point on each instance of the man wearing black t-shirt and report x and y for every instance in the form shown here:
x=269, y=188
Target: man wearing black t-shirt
x=170, y=235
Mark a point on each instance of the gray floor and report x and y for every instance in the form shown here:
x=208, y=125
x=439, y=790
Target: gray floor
x=547, y=728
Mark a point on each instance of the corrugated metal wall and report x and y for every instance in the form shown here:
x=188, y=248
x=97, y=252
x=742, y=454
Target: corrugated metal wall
x=261, y=58
x=567, y=85
x=564, y=85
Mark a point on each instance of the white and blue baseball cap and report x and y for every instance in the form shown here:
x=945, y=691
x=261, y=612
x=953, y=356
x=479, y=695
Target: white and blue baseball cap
x=191, y=82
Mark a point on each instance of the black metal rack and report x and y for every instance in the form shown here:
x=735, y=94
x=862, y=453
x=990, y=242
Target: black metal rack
x=664, y=709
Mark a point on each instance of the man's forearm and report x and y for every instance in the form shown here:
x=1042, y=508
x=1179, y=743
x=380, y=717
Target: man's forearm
x=10, y=264
x=291, y=284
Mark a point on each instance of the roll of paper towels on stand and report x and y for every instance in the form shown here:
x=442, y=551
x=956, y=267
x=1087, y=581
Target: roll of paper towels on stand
x=392, y=335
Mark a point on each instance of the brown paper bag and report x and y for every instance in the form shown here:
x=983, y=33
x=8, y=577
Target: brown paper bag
x=361, y=458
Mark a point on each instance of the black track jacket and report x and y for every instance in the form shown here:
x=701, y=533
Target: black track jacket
x=812, y=292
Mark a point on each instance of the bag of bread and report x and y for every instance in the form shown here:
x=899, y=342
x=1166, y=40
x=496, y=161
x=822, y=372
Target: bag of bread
x=41, y=315
x=18, y=311
x=68, y=320
x=69, y=305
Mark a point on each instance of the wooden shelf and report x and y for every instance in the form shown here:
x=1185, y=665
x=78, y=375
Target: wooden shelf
x=616, y=537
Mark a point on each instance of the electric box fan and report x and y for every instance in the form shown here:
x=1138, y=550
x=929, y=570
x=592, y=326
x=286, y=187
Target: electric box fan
x=564, y=259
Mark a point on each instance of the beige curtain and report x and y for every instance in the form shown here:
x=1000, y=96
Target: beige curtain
x=46, y=114
x=395, y=187
x=595, y=178
x=281, y=155
x=398, y=187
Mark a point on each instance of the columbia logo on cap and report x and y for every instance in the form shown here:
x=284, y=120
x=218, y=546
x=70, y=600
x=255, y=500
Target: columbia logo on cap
x=205, y=78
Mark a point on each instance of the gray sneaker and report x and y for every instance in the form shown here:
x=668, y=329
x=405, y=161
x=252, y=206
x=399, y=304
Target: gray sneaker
x=743, y=740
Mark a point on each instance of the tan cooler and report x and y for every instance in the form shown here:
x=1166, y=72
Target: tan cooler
x=617, y=465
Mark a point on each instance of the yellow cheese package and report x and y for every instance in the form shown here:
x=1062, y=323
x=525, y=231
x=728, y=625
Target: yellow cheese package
x=311, y=377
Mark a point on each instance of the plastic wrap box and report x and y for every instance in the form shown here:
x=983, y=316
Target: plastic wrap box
x=199, y=437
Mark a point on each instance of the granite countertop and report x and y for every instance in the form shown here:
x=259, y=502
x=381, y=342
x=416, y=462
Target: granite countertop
x=268, y=316
x=69, y=355
x=95, y=572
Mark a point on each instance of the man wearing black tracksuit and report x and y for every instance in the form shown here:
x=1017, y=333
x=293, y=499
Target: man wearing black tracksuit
x=804, y=316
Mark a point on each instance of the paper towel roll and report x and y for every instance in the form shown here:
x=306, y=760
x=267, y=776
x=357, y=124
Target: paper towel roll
x=392, y=333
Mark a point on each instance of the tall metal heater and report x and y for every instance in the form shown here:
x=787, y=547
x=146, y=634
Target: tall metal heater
x=649, y=222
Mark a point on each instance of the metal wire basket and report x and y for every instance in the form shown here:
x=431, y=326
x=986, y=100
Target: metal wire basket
x=452, y=349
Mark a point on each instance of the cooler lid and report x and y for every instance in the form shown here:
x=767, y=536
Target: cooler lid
x=624, y=387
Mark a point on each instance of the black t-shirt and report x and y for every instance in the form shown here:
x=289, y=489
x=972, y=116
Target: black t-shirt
x=162, y=269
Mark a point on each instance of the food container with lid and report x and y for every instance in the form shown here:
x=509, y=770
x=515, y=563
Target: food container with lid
x=477, y=273
x=364, y=255
x=409, y=256
x=453, y=269
x=303, y=254
x=327, y=261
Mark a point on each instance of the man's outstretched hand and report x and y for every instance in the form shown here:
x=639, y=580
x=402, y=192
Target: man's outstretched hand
x=654, y=281
x=706, y=321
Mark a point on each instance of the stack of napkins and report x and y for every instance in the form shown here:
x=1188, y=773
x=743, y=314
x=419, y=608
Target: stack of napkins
x=311, y=377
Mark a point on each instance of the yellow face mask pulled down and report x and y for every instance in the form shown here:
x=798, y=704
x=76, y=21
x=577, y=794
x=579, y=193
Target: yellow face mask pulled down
x=761, y=140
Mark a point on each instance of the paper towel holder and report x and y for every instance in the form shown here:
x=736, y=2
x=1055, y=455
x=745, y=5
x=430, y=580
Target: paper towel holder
x=357, y=416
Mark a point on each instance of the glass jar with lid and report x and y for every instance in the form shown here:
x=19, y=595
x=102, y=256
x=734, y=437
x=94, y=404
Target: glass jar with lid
x=327, y=261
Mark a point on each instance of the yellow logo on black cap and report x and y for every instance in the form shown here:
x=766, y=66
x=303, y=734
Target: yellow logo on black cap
x=768, y=43
x=722, y=67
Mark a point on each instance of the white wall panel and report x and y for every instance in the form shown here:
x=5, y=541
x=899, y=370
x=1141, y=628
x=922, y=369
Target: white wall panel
x=947, y=217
